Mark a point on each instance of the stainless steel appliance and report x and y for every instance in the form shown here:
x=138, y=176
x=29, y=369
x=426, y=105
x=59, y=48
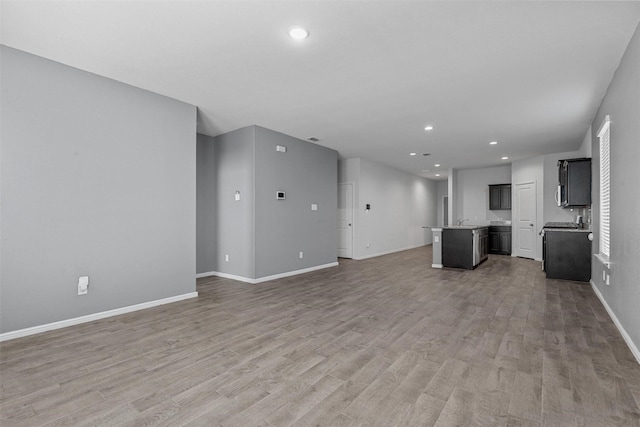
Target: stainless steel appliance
x=480, y=245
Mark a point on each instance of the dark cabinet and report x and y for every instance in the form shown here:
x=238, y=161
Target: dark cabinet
x=567, y=255
x=500, y=197
x=574, y=183
x=500, y=240
x=457, y=248
x=464, y=247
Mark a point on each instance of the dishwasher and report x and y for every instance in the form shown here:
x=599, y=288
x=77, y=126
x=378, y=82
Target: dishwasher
x=480, y=245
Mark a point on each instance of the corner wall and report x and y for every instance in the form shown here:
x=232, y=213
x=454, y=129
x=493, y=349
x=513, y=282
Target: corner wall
x=206, y=205
x=308, y=174
x=97, y=179
x=622, y=104
x=233, y=164
x=261, y=235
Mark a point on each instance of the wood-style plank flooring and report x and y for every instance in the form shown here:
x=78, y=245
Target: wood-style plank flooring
x=381, y=342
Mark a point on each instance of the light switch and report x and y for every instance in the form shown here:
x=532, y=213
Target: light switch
x=237, y=196
x=436, y=239
x=314, y=207
x=281, y=148
x=83, y=285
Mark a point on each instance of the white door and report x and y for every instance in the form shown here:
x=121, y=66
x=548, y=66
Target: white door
x=345, y=220
x=524, y=210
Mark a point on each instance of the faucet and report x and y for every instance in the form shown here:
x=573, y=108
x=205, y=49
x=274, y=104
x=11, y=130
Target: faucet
x=460, y=221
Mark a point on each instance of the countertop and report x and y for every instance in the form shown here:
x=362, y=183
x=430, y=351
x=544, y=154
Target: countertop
x=568, y=230
x=464, y=227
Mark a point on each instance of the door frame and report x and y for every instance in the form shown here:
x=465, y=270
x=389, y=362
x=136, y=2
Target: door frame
x=353, y=212
x=515, y=209
x=445, y=210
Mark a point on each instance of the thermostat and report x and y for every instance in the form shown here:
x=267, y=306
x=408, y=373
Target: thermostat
x=280, y=195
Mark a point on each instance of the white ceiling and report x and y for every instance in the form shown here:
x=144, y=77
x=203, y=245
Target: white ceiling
x=371, y=75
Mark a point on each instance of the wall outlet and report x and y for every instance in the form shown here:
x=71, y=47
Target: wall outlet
x=314, y=207
x=83, y=285
x=301, y=254
x=237, y=196
x=436, y=239
x=226, y=257
x=281, y=148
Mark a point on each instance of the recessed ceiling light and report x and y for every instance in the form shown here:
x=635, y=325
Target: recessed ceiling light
x=437, y=174
x=505, y=158
x=429, y=127
x=413, y=154
x=493, y=142
x=298, y=33
x=437, y=165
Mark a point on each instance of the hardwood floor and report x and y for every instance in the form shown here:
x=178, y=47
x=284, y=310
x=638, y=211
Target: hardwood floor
x=385, y=341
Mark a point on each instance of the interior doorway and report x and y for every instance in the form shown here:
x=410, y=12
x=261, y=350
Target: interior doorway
x=445, y=210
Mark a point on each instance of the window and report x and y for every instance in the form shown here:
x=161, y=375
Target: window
x=605, y=226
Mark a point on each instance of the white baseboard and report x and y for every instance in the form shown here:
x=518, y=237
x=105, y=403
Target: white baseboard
x=265, y=278
x=206, y=274
x=91, y=317
x=625, y=335
x=377, y=254
x=437, y=266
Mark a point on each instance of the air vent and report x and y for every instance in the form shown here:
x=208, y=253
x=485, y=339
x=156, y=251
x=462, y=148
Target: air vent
x=313, y=139
x=426, y=154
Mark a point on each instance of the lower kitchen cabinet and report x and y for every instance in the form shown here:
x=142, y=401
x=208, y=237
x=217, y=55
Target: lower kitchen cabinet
x=464, y=247
x=500, y=240
x=567, y=255
x=457, y=249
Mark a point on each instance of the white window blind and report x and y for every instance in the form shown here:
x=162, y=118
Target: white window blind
x=605, y=189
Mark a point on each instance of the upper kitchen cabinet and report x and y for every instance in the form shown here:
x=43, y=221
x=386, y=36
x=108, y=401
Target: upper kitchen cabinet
x=500, y=197
x=574, y=183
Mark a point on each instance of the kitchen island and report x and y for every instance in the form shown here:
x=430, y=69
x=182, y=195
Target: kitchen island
x=462, y=246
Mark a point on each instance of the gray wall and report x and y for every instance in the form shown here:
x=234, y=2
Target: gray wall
x=264, y=236
x=206, y=189
x=98, y=179
x=622, y=104
x=308, y=174
x=234, y=220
